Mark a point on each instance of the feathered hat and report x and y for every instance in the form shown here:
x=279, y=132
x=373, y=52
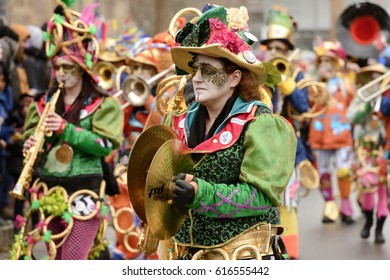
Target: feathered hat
x=72, y=34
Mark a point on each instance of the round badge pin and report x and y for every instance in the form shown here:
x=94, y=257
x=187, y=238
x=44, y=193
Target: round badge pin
x=226, y=137
x=249, y=56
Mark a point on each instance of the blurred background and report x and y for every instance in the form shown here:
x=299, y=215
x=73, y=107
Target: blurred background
x=314, y=17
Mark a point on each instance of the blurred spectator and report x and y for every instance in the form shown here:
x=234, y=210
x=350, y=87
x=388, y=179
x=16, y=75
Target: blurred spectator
x=36, y=64
x=18, y=74
x=6, y=105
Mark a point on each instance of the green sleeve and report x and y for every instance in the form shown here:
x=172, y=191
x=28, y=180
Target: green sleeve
x=31, y=122
x=107, y=124
x=358, y=111
x=243, y=200
x=270, y=147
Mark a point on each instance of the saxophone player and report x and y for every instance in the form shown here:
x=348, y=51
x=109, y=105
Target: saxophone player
x=85, y=126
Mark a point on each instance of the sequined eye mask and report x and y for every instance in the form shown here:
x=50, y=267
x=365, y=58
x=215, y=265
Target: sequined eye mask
x=67, y=68
x=210, y=73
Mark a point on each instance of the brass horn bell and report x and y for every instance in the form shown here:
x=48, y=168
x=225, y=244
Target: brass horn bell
x=136, y=90
x=283, y=65
x=363, y=29
x=105, y=71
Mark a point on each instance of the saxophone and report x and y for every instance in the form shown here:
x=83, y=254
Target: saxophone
x=31, y=155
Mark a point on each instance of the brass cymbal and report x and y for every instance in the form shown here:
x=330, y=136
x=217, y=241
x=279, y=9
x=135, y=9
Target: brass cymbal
x=140, y=157
x=164, y=218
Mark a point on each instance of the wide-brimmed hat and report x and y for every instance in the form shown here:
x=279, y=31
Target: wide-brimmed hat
x=108, y=51
x=222, y=33
x=281, y=27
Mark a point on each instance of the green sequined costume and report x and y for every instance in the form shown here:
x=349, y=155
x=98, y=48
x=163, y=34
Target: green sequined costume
x=260, y=161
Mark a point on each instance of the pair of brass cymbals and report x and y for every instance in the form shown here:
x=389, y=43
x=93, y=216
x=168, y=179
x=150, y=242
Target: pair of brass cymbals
x=156, y=157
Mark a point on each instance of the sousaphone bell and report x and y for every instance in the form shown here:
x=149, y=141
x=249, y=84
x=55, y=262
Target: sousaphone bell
x=363, y=29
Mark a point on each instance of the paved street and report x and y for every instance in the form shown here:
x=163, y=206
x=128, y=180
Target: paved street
x=336, y=241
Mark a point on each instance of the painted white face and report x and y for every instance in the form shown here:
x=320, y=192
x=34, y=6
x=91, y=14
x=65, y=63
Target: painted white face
x=211, y=83
x=68, y=73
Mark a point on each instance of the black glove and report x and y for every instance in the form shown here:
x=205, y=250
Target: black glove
x=183, y=193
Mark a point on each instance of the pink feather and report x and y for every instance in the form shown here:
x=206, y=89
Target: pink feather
x=87, y=15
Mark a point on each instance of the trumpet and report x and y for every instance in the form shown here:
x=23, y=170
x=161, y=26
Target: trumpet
x=136, y=90
x=31, y=155
x=368, y=92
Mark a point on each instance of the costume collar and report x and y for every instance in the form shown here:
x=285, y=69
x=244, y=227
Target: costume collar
x=89, y=107
x=229, y=130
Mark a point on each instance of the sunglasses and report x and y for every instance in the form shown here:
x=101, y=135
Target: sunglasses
x=66, y=68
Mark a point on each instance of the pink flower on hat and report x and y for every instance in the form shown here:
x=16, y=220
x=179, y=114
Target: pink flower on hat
x=219, y=33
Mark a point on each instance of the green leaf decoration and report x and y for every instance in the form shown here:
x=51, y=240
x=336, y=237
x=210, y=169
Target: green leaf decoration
x=35, y=205
x=69, y=3
x=58, y=19
x=50, y=53
x=88, y=60
x=92, y=29
x=47, y=236
x=103, y=211
x=273, y=75
x=67, y=217
x=45, y=36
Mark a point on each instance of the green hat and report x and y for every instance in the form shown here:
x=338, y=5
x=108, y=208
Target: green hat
x=222, y=33
x=280, y=27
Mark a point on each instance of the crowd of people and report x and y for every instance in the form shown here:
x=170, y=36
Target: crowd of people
x=259, y=129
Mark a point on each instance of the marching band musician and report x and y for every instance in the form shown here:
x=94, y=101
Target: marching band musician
x=278, y=43
x=384, y=112
x=147, y=58
x=330, y=134
x=69, y=195
x=370, y=167
x=243, y=154
x=109, y=60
